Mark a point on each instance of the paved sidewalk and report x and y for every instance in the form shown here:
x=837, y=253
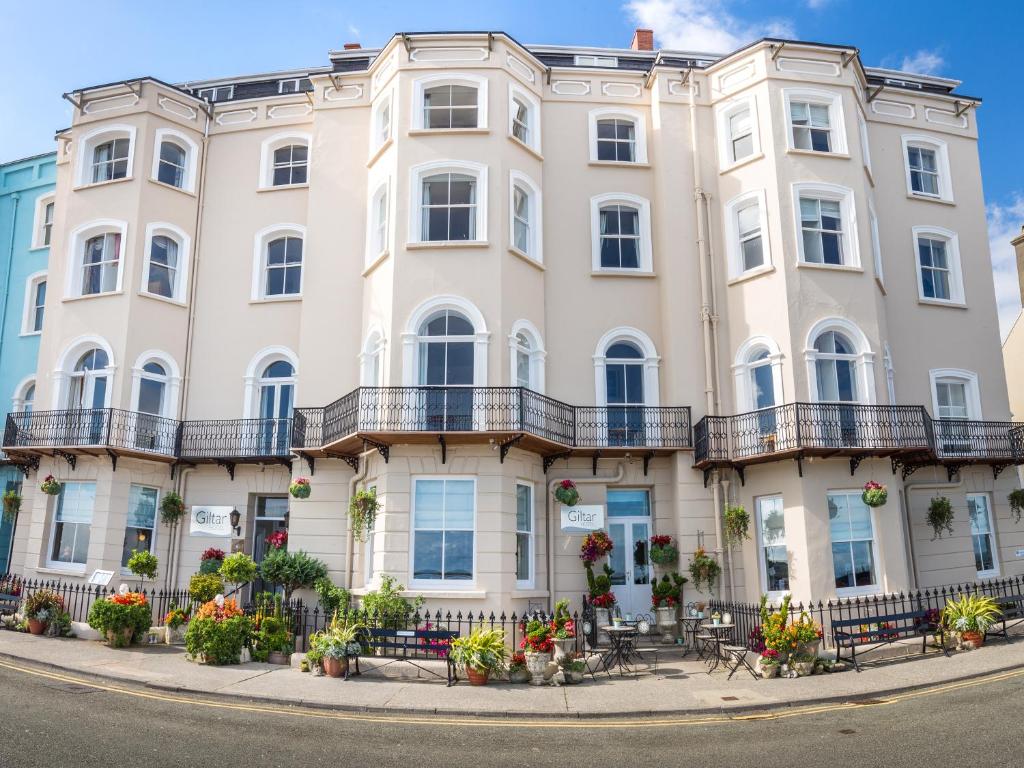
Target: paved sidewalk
x=680, y=686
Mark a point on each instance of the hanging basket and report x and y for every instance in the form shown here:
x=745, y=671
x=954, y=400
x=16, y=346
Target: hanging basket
x=875, y=494
x=50, y=486
x=12, y=504
x=940, y=516
x=567, y=493
x=300, y=488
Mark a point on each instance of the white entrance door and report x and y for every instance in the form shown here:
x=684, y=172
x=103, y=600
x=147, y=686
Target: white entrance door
x=629, y=526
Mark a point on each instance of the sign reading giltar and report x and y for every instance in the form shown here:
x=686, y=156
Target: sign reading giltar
x=583, y=518
x=210, y=521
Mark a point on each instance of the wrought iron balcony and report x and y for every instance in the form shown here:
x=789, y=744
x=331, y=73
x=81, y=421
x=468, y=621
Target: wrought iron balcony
x=235, y=440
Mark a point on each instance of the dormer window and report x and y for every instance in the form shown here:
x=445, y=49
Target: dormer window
x=293, y=85
x=596, y=61
x=217, y=93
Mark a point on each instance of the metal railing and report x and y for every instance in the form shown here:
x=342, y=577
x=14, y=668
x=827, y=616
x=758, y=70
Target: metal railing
x=92, y=428
x=235, y=439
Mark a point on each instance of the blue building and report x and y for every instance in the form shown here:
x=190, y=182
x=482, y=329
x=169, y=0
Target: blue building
x=26, y=222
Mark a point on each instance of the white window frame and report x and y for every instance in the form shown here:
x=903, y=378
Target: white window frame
x=591, y=60
x=294, y=81
x=442, y=584
x=373, y=358
x=530, y=581
x=621, y=113
x=212, y=92
x=411, y=338
x=172, y=379
x=254, y=373
x=29, y=310
x=865, y=144
x=837, y=122
x=941, y=150
x=156, y=521
x=58, y=564
x=645, y=250
x=651, y=362
x=848, y=213
x=993, y=572
x=972, y=390
x=191, y=158
x=420, y=172
x=774, y=596
x=876, y=243
x=379, y=138
x=956, y=278
x=421, y=84
x=261, y=241
x=868, y=589
x=532, y=117
x=536, y=352
x=65, y=368
x=864, y=364
x=275, y=142
x=19, y=400
x=535, y=214
x=91, y=140
x=179, y=293
x=377, y=249
x=39, y=221
x=76, y=254
x=732, y=236
x=723, y=114
x=742, y=366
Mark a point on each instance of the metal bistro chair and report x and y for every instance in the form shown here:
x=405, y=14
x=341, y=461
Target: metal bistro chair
x=737, y=657
x=643, y=630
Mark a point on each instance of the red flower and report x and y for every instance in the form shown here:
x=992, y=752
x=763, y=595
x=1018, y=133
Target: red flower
x=278, y=539
x=567, y=484
x=212, y=554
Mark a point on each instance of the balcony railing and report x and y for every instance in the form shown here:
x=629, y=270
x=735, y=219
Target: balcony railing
x=235, y=439
x=100, y=428
x=823, y=428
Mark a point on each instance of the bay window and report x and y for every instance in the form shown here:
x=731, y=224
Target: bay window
x=444, y=513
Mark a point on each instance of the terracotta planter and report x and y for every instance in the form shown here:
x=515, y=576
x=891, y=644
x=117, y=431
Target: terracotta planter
x=477, y=676
x=277, y=657
x=37, y=627
x=335, y=667
x=977, y=639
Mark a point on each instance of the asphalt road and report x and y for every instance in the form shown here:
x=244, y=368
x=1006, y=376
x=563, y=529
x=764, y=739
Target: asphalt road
x=50, y=722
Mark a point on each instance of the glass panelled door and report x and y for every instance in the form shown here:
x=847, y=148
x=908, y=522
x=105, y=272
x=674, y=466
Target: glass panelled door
x=624, y=390
x=762, y=393
x=277, y=388
x=446, y=365
x=270, y=517
x=629, y=526
x=87, y=394
x=836, y=369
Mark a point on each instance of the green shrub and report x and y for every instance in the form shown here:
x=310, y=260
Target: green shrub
x=272, y=635
x=292, y=570
x=332, y=598
x=203, y=587
x=387, y=605
x=121, y=612
x=238, y=568
x=218, y=642
x=143, y=564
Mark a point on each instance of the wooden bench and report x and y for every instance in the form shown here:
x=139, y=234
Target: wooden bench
x=1013, y=614
x=411, y=646
x=877, y=631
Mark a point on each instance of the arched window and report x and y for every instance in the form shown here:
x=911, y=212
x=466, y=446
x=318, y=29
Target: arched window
x=445, y=343
x=757, y=371
x=371, y=360
x=25, y=397
x=270, y=381
x=836, y=367
x=621, y=233
x=276, y=393
x=110, y=160
x=172, y=164
x=626, y=376
x=277, y=262
x=89, y=381
x=284, y=160
x=527, y=356
x=105, y=154
x=152, y=389
x=166, y=260
x=155, y=383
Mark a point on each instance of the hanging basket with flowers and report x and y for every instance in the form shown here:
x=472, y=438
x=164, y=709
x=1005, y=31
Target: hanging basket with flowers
x=172, y=508
x=875, y=494
x=704, y=569
x=940, y=516
x=1016, y=499
x=362, y=513
x=300, y=488
x=567, y=493
x=50, y=486
x=12, y=504
x=737, y=524
x=663, y=551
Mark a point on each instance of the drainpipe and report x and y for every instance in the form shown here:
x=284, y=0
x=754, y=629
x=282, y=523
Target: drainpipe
x=732, y=575
x=549, y=519
x=350, y=539
x=907, y=523
x=174, y=550
x=15, y=198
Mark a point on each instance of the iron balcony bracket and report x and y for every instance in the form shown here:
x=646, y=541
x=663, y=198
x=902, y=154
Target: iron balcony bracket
x=383, y=449
x=951, y=470
x=647, y=461
x=855, y=462
x=30, y=464
x=310, y=462
x=352, y=461
x=800, y=464
x=70, y=458
x=597, y=455
x=505, y=447
x=113, y=460
x=549, y=460
x=997, y=468
x=741, y=472
x=444, y=449
x=229, y=466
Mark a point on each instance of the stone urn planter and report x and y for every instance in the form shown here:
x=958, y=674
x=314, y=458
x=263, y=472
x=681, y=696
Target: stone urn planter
x=603, y=618
x=802, y=668
x=120, y=638
x=520, y=675
x=537, y=664
x=666, y=618
x=768, y=671
x=277, y=657
x=810, y=648
x=37, y=626
x=175, y=636
x=563, y=648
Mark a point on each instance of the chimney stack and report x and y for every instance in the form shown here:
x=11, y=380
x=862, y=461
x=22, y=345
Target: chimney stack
x=643, y=40
x=352, y=46
x=1018, y=244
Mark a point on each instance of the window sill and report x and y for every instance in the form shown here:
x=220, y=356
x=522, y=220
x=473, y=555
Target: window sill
x=751, y=274
x=622, y=273
x=428, y=244
x=277, y=299
x=95, y=184
x=26, y=334
x=988, y=574
x=376, y=154
x=62, y=571
x=448, y=131
x=812, y=153
x=526, y=257
x=38, y=248
x=616, y=164
x=941, y=303
x=525, y=146
x=165, y=185
x=929, y=198
x=443, y=594
x=282, y=187
x=377, y=261
x=164, y=299
x=859, y=591
x=832, y=267
x=740, y=163
x=92, y=296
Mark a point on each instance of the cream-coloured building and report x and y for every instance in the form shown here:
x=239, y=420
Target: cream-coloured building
x=458, y=269
x=1013, y=347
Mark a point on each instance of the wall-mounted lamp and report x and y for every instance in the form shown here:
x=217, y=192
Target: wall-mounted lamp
x=235, y=518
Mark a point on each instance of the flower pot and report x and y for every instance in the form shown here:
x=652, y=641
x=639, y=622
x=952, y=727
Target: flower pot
x=335, y=667
x=277, y=657
x=120, y=638
x=810, y=648
x=537, y=664
x=803, y=668
x=667, y=624
x=768, y=671
x=316, y=670
x=175, y=636
x=977, y=639
x=521, y=675
x=563, y=648
x=477, y=676
x=727, y=618
x=36, y=626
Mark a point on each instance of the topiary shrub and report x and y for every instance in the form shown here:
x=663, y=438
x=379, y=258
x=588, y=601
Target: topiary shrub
x=203, y=587
x=122, y=619
x=218, y=632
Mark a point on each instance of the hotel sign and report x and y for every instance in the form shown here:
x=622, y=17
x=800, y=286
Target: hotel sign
x=210, y=521
x=583, y=518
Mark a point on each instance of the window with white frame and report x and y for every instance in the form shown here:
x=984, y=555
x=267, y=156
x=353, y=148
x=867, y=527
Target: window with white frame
x=771, y=528
x=450, y=203
x=865, y=146
x=378, y=224
x=986, y=561
x=382, y=122
x=815, y=121
x=217, y=93
x=42, y=231
x=293, y=85
x=106, y=154
x=746, y=235
x=927, y=167
x=101, y=264
x=164, y=264
x=737, y=131
x=524, y=216
x=621, y=233
x=748, y=225
x=172, y=163
x=522, y=360
x=152, y=386
x=524, y=118
x=72, y=522
x=938, y=265
x=284, y=160
x=48, y=222
x=827, y=229
x=527, y=356
x=141, y=523
x=853, y=543
x=524, y=536
x=174, y=159
x=836, y=368
x=876, y=243
x=444, y=515
x=35, y=304
x=369, y=546
x=956, y=400
x=617, y=136
x=110, y=160
x=596, y=61
x=371, y=360
x=277, y=262
x=450, y=102
x=25, y=397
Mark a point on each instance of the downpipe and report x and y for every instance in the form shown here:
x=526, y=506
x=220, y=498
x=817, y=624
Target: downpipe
x=350, y=538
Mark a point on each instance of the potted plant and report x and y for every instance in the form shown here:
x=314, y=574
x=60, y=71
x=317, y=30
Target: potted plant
x=238, y=569
x=971, y=616
x=573, y=668
x=666, y=595
x=736, y=526
x=769, y=663
x=218, y=632
x=1016, y=499
x=563, y=630
x=272, y=642
x=567, y=493
x=875, y=494
x=204, y=587
x=172, y=508
x=704, y=569
x=595, y=546
x=41, y=607
x=362, y=513
x=663, y=551
x=517, y=671
x=315, y=656
x=12, y=504
x=175, y=621
x=211, y=560
x=537, y=644
x=300, y=488
x=807, y=634
x=50, y=486
x=802, y=664
x=338, y=643
x=940, y=516
x=143, y=564
x=122, y=618
x=481, y=652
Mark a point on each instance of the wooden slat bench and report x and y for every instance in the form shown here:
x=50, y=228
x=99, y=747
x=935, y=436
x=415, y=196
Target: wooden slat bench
x=411, y=646
x=1013, y=614
x=857, y=633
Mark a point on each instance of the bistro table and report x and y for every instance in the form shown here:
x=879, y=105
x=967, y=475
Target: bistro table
x=717, y=631
x=621, y=650
x=690, y=626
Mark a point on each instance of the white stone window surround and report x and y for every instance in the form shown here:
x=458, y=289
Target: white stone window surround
x=417, y=175
x=64, y=565
x=421, y=84
x=376, y=249
x=723, y=114
x=172, y=380
x=732, y=239
x=941, y=150
x=381, y=134
x=991, y=533
x=645, y=250
x=373, y=358
x=92, y=139
x=77, y=239
x=410, y=337
x=532, y=116
x=876, y=242
x=179, y=293
x=622, y=113
x=956, y=278
x=67, y=361
x=20, y=399
x=272, y=143
x=847, y=211
x=837, y=123
x=254, y=372
x=774, y=596
x=530, y=581
x=28, y=311
x=651, y=362
x=537, y=353
x=879, y=564
x=191, y=156
x=261, y=241
x=39, y=221
x=442, y=584
x=535, y=214
x=742, y=366
x=972, y=389
x=865, y=142
x=865, y=362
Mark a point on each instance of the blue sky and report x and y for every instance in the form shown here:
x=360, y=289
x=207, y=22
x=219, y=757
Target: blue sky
x=53, y=47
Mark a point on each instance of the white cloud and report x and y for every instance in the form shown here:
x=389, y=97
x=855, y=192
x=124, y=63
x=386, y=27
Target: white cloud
x=816, y=4
x=353, y=30
x=703, y=25
x=1004, y=223
x=923, y=63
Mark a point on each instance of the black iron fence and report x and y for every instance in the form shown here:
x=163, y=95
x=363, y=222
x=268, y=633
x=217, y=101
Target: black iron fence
x=747, y=616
